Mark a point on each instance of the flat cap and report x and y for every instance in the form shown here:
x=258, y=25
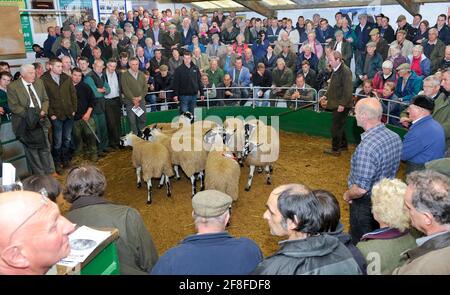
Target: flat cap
x=423, y=102
x=172, y=26
x=374, y=32
x=401, y=17
x=403, y=67
x=211, y=203
x=401, y=32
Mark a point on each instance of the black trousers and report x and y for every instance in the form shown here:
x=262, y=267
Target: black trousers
x=112, y=113
x=338, y=138
x=361, y=218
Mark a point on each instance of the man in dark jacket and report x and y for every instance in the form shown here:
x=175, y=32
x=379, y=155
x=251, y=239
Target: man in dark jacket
x=163, y=83
x=84, y=125
x=48, y=43
x=187, y=84
x=62, y=107
x=338, y=99
x=293, y=212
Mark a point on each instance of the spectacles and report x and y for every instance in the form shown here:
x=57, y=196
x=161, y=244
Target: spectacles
x=44, y=202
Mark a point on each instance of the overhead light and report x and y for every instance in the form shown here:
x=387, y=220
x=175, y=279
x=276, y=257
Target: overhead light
x=278, y=2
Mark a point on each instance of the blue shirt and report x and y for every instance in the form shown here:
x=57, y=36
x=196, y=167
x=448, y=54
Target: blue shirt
x=424, y=142
x=210, y=254
x=375, y=158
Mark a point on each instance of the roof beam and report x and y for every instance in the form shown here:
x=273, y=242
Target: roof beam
x=258, y=7
x=410, y=6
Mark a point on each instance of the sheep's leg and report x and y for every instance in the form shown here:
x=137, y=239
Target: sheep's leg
x=149, y=191
x=138, y=175
x=177, y=174
x=194, y=190
x=260, y=169
x=202, y=180
x=268, y=175
x=250, y=177
x=271, y=168
x=167, y=181
x=240, y=161
x=161, y=181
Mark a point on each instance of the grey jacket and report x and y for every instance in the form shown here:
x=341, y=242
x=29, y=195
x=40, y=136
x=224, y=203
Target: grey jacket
x=315, y=255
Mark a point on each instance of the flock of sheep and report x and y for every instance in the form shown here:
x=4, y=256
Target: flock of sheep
x=205, y=151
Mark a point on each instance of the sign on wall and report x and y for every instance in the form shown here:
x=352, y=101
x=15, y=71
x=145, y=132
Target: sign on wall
x=25, y=21
x=77, y=11
x=105, y=8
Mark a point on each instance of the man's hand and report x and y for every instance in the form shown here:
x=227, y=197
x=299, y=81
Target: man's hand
x=340, y=109
x=101, y=90
x=175, y=99
x=347, y=197
x=2, y=111
x=53, y=117
x=202, y=97
x=228, y=92
x=86, y=117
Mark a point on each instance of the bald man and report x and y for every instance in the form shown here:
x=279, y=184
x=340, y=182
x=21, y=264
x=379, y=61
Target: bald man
x=33, y=234
x=293, y=212
x=376, y=157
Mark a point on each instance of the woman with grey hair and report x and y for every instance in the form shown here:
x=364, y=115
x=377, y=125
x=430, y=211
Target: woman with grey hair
x=85, y=190
x=419, y=63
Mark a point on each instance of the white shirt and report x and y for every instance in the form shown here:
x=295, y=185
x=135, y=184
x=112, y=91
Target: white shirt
x=337, y=68
x=113, y=83
x=339, y=47
x=25, y=84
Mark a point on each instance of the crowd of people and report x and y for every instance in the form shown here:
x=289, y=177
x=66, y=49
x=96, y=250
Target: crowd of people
x=152, y=56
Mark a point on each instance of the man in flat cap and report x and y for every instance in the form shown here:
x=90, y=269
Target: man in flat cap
x=404, y=44
x=367, y=67
x=212, y=251
x=408, y=84
x=382, y=44
x=402, y=24
x=425, y=140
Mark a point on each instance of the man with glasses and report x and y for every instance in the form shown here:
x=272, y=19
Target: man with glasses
x=34, y=235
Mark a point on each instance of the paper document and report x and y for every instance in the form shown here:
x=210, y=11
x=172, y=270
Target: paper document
x=138, y=111
x=83, y=242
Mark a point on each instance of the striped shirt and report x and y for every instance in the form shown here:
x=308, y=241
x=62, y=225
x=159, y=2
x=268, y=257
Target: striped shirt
x=376, y=157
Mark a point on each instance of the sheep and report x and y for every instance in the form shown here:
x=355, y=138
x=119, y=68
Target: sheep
x=152, y=159
x=222, y=173
x=235, y=136
x=261, y=150
x=185, y=151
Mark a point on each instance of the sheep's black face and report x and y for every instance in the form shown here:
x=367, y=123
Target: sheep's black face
x=146, y=134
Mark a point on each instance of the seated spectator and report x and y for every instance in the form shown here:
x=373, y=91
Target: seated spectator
x=419, y=63
x=443, y=29
x=434, y=49
x=385, y=75
x=216, y=48
x=299, y=91
x=367, y=67
x=442, y=109
x=427, y=199
x=425, y=140
x=65, y=50
x=293, y=35
x=175, y=61
x=203, y=36
x=308, y=56
x=227, y=93
x=382, y=44
x=445, y=64
x=389, y=107
x=383, y=247
x=341, y=45
x=408, y=84
x=228, y=59
x=262, y=81
x=144, y=63
x=210, y=93
x=200, y=60
x=330, y=214
x=211, y=251
x=5, y=80
x=269, y=59
x=156, y=62
x=239, y=46
x=240, y=75
x=196, y=43
x=315, y=45
x=396, y=57
x=309, y=74
x=45, y=184
x=27, y=246
x=365, y=91
x=215, y=74
x=38, y=50
x=282, y=79
x=260, y=46
x=248, y=60
x=85, y=188
x=283, y=40
x=324, y=32
x=422, y=32
x=293, y=212
x=289, y=57
x=149, y=48
x=404, y=44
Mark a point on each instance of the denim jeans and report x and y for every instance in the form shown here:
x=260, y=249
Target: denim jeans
x=187, y=103
x=151, y=99
x=262, y=101
x=62, y=132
